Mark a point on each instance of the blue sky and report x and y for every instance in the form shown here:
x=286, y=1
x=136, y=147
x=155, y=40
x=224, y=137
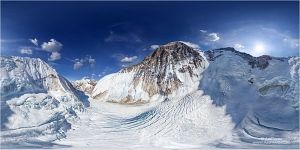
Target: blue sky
x=96, y=38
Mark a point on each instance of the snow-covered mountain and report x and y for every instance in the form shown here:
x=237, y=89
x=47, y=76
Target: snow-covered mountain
x=261, y=94
x=85, y=85
x=36, y=102
x=222, y=98
x=172, y=70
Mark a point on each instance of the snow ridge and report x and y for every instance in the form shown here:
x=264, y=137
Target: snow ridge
x=36, y=102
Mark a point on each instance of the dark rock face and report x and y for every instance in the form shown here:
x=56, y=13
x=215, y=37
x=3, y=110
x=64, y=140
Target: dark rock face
x=157, y=72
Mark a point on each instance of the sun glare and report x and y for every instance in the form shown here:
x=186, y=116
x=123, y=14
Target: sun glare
x=259, y=49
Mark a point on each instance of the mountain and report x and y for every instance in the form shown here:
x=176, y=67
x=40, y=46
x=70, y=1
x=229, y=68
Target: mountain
x=260, y=94
x=85, y=85
x=172, y=70
x=36, y=102
x=191, y=99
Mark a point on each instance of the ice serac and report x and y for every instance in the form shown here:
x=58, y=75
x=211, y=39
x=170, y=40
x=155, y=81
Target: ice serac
x=261, y=94
x=85, y=85
x=172, y=70
x=36, y=102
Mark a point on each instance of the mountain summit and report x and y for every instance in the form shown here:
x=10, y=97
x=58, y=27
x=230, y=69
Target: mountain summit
x=171, y=70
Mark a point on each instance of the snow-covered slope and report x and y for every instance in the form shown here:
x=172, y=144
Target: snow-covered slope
x=85, y=85
x=36, y=102
x=261, y=94
x=172, y=70
x=219, y=98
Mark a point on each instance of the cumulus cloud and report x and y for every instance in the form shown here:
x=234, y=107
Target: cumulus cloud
x=128, y=59
x=210, y=36
x=154, y=47
x=87, y=60
x=52, y=46
x=27, y=51
x=54, y=56
x=34, y=41
x=213, y=37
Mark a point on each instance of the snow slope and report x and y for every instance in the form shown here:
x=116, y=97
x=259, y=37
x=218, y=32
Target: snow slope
x=261, y=94
x=172, y=124
x=36, y=102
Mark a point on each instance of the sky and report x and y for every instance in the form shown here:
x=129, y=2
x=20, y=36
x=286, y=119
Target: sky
x=93, y=39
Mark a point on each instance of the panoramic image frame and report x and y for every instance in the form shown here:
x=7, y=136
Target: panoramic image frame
x=149, y=75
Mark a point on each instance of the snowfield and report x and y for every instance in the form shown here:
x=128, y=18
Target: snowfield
x=219, y=99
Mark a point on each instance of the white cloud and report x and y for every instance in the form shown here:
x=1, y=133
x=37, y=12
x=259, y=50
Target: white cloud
x=213, y=37
x=77, y=65
x=239, y=47
x=209, y=36
x=54, y=56
x=27, y=51
x=87, y=60
x=91, y=60
x=129, y=59
x=154, y=47
x=52, y=46
x=203, y=31
x=34, y=41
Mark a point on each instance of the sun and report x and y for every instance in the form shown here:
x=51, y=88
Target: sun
x=259, y=49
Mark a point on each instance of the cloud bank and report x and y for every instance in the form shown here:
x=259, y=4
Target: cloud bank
x=128, y=59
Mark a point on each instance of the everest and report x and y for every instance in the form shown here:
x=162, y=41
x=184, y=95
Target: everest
x=178, y=97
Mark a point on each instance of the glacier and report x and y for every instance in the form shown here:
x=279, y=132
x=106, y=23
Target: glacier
x=178, y=97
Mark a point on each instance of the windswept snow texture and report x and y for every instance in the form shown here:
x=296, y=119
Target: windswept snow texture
x=37, y=104
x=176, y=98
x=260, y=94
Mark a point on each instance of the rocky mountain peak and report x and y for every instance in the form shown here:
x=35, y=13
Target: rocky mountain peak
x=169, y=54
x=173, y=51
x=169, y=68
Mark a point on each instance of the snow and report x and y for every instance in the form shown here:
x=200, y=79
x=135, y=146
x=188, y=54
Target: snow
x=85, y=85
x=118, y=86
x=225, y=103
x=266, y=109
x=176, y=123
x=36, y=102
